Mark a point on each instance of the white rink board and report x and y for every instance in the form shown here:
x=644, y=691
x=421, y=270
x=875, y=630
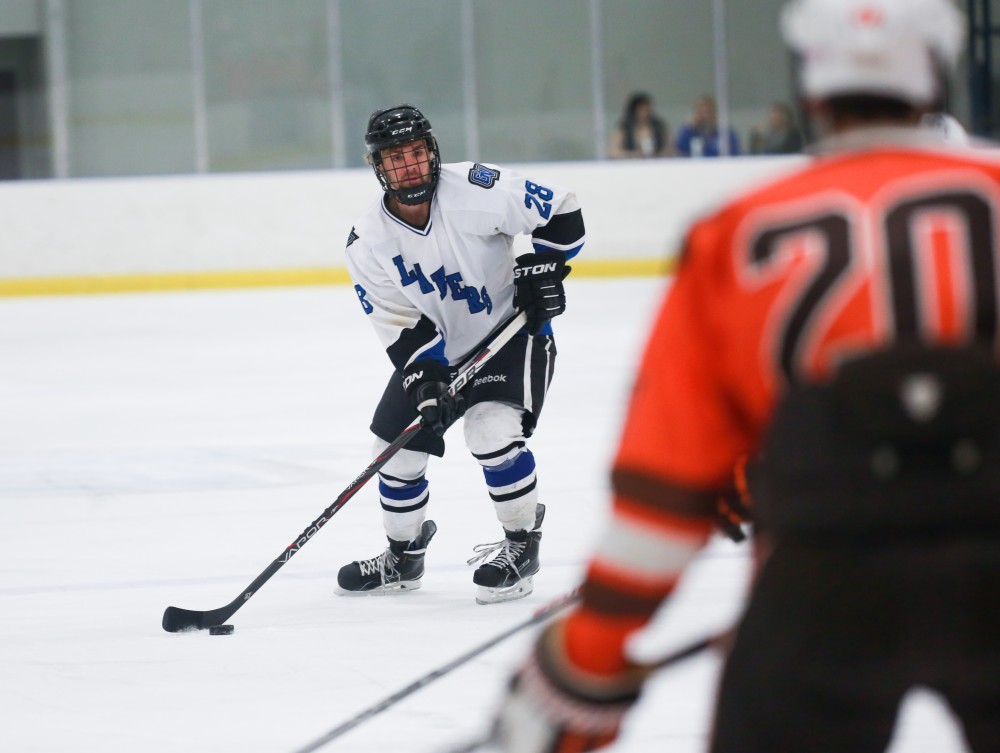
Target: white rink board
x=262, y=221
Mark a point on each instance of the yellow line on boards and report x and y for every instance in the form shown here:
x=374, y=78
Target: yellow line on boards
x=266, y=278
x=146, y=283
x=622, y=267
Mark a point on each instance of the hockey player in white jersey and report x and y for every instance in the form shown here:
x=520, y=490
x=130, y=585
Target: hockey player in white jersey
x=435, y=273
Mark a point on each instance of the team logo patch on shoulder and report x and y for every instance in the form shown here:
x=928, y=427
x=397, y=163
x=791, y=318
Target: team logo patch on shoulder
x=352, y=237
x=482, y=176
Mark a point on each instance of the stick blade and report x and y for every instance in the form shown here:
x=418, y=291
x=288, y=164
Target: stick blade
x=176, y=620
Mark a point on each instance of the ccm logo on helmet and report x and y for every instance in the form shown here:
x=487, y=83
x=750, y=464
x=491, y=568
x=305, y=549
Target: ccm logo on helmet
x=401, y=130
x=538, y=269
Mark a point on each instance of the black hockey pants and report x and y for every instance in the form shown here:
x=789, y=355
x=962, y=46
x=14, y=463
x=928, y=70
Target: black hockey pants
x=835, y=635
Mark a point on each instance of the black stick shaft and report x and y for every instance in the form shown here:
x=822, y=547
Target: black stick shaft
x=176, y=619
x=541, y=615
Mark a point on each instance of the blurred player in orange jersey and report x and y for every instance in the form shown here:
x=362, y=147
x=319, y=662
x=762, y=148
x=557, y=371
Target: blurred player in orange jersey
x=840, y=326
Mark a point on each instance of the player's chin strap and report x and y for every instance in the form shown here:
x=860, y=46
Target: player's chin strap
x=176, y=619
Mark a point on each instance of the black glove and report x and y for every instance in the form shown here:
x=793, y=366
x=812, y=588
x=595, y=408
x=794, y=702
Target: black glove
x=538, y=287
x=426, y=384
x=553, y=706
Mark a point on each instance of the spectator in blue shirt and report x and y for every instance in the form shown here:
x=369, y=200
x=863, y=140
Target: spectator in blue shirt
x=699, y=137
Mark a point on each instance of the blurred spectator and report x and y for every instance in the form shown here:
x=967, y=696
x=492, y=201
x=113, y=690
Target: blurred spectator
x=640, y=132
x=780, y=134
x=700, y=136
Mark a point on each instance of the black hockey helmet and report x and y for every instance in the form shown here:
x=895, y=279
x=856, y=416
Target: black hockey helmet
x=401, y=125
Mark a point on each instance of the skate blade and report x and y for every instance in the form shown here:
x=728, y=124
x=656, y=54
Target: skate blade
x=387, y=590
x=519, y=590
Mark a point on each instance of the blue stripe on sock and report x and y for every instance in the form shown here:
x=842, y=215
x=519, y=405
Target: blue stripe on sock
x=401, y=493
x=511, y=472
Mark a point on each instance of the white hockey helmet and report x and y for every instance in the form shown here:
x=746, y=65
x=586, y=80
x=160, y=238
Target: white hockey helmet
x=892, y=48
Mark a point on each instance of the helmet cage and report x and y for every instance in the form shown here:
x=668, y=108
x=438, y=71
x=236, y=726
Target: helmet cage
x=397, y=126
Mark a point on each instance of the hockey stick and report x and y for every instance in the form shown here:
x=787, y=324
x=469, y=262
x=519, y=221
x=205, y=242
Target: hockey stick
x=176, y=619
x=540, y=615
x=674, y=657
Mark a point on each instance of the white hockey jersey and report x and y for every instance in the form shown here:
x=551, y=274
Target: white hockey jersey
x=438, y=291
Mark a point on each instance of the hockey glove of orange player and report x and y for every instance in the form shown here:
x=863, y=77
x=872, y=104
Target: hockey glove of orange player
x=538, y=287
x=552, y=707
x=426, y=384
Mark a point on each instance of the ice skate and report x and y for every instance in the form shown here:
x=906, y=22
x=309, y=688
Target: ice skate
x=508, y=576
x=399, y=568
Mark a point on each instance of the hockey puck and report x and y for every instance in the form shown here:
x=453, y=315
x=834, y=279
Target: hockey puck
x=221, y=630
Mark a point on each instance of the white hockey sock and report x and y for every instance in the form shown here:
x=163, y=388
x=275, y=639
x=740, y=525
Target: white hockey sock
x=512, y=487
x=404, y=506
x=403, y=492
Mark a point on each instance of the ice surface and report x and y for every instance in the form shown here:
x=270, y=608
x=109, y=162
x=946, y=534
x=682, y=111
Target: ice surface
x=161, y=449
